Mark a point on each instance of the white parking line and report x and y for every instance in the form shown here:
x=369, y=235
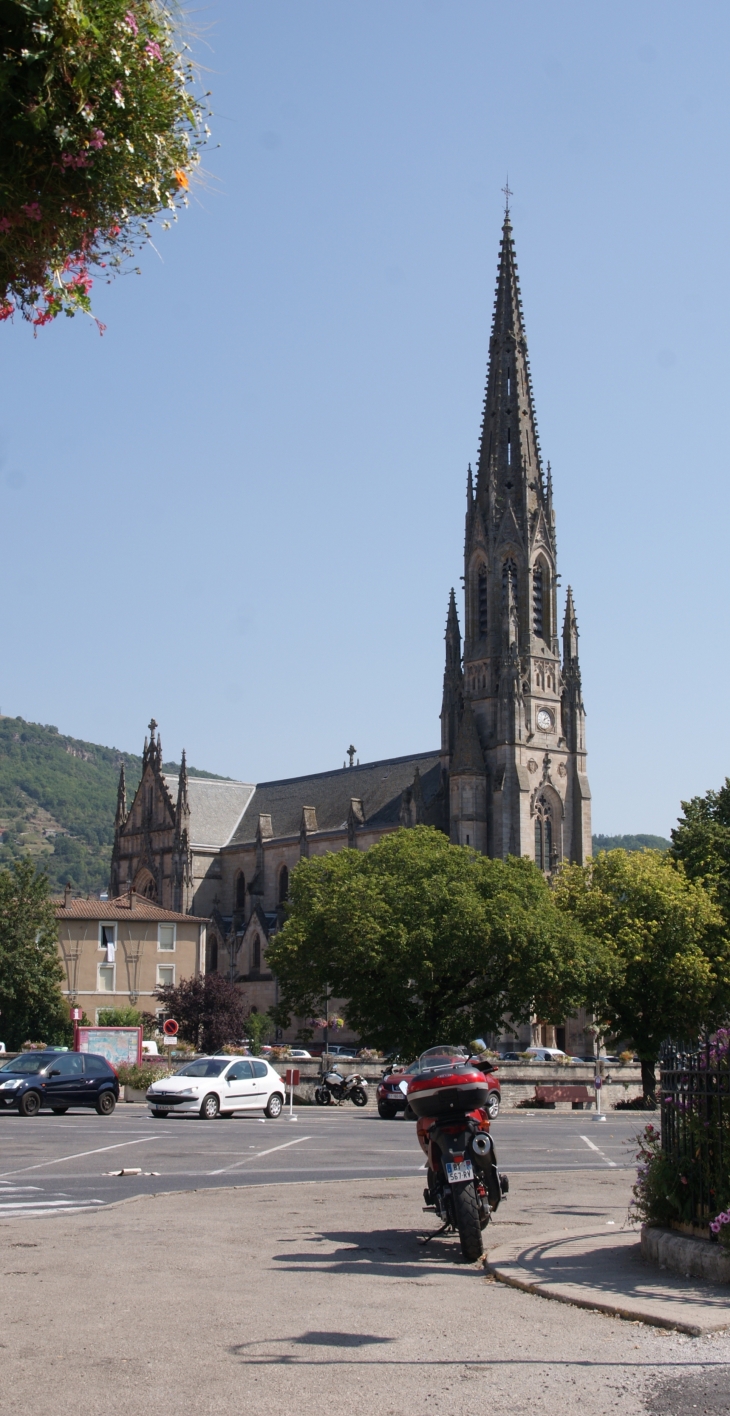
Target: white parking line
x=79, y=1154
x=258, y=1155
x=599, y=1152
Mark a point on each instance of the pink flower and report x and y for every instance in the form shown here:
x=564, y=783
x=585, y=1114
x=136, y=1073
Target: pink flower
x=4, y=224
x=117, y=94
x=715, y=1226
x=97, y=139
x=69, y=160
x=153, y=49
x=6, y=310
x=131, y=22
x=32, y=211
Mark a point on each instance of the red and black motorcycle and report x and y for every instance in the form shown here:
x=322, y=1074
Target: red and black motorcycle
x=448, y=1095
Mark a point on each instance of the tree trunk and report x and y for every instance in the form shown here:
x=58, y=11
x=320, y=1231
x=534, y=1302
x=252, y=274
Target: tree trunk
x=648, y=1080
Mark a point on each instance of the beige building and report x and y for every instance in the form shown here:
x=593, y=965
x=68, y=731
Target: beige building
x=117, y=953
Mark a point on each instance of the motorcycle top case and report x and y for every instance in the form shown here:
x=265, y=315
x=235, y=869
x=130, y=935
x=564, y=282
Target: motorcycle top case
x=452, y=1092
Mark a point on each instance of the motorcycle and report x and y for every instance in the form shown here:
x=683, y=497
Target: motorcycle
x=465, y=1186
x=334, y=1087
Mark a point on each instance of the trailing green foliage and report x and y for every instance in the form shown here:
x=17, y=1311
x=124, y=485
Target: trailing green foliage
x=630, y=843
x=428, y=942
x=667, y=942
x=31, y=1002
x=142, y=1076
x=101, y=130
x=50, y=785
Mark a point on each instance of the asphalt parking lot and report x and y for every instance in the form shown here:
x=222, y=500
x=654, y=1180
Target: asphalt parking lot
x=55, y=1164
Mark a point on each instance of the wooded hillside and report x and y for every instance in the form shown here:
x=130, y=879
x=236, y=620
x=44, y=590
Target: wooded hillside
x=58, y=798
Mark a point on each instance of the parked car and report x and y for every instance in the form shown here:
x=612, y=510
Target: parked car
x=547, y=1054
x=300, y=1054
x=391, y=1099
x=212, y=1086
x=511, y=1056
x=342, y=1051
x=58, y=1080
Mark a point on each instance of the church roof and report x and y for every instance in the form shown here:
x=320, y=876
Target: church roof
x=379, y=785
x=216, y=807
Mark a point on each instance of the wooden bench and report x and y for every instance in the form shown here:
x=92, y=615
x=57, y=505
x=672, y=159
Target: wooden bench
x=574, y=1095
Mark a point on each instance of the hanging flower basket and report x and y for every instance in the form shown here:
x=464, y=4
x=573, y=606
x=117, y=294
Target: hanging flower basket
x=101, y=133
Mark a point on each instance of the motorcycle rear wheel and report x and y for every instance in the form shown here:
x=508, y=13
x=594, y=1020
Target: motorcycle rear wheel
x=466, y=1214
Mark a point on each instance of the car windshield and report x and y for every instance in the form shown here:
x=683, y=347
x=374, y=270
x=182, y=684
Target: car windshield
x=28, y=1065
x=204, y=1067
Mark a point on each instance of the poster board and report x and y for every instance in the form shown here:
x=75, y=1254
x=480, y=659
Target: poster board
x=121, y=1046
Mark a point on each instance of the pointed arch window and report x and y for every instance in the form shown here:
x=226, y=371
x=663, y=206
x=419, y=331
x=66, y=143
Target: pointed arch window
x=283, y=884
x=240, y=891
x=256, y=954
x=537, y=599
x=482, y=599
x=543, y=835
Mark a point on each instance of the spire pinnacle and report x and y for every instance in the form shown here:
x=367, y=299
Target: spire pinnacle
x=570, y=633
x=121, y=815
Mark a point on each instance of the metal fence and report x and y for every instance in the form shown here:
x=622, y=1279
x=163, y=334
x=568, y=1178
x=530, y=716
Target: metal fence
x=695, y=1108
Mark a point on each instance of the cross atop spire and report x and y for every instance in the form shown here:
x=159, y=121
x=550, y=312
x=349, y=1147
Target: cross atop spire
x=507, y=194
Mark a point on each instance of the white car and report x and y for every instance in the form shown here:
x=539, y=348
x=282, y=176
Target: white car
x=300, y=1054
x=547, y=1054
x=213, y=1086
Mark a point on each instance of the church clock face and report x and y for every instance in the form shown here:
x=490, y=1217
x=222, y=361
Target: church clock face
x=544, y=721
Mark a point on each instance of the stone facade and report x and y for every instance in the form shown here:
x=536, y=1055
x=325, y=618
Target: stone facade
x=510, y=776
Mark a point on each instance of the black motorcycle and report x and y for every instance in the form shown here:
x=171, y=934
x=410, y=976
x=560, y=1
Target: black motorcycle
x=336, y=1088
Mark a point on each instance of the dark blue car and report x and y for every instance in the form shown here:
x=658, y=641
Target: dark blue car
x=58, y=1080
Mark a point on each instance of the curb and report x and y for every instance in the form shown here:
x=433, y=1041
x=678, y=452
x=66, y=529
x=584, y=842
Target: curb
x=693, y=1258
x=515, y=1265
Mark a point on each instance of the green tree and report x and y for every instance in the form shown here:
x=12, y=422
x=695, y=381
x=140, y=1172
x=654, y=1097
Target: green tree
x=428, y=942
x=31, y=1003
x=701, y=841
x=670, y=973
x=258, y=1027
x=210, y=1010
x=119, y=1018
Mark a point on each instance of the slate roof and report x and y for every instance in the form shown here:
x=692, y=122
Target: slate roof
x=120, y=909
x=215, y=808
x=378, y=784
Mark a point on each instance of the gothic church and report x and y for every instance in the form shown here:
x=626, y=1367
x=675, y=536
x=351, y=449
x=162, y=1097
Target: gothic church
x=510, y=777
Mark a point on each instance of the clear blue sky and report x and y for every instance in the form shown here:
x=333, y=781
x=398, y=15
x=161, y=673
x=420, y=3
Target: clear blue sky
x=242, y=509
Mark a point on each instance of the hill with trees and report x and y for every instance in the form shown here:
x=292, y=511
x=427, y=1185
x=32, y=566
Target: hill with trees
x=57, y=801
x=630, y=843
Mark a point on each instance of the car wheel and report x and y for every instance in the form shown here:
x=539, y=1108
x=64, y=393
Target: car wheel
x=387, y=1111
x=275, y=1104
x=29, y=1104
x=409, y=1114
x=59, y=1110
x=105, y=1103
x=210, y=1107
x=492, y=1107
x=161, y=1114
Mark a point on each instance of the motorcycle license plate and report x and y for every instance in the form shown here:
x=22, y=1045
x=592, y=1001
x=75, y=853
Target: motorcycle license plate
x=456, y=1173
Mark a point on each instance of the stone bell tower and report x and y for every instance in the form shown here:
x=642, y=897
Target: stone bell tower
x=513, y=721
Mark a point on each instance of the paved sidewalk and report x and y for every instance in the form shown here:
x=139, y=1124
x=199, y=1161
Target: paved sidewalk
x=312, y=1298
x=606, y=1272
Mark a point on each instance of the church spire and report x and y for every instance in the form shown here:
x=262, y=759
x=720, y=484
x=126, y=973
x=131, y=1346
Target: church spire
x=183, y=808
x=453, y=684
x=509, y=468
x=121, y=815
x=570, y=635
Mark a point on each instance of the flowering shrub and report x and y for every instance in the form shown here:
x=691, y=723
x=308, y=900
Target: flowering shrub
x=34, y=1046
x=101, y=132
x=665, y=1188
x=328, y=1022
x=720, y=1226
x=140, y=1077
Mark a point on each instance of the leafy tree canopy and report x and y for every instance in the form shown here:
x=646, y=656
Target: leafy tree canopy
x=210, y=1010
x=670, y=974
x=31, y=1003
x=428, y=942
x=701, y=841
